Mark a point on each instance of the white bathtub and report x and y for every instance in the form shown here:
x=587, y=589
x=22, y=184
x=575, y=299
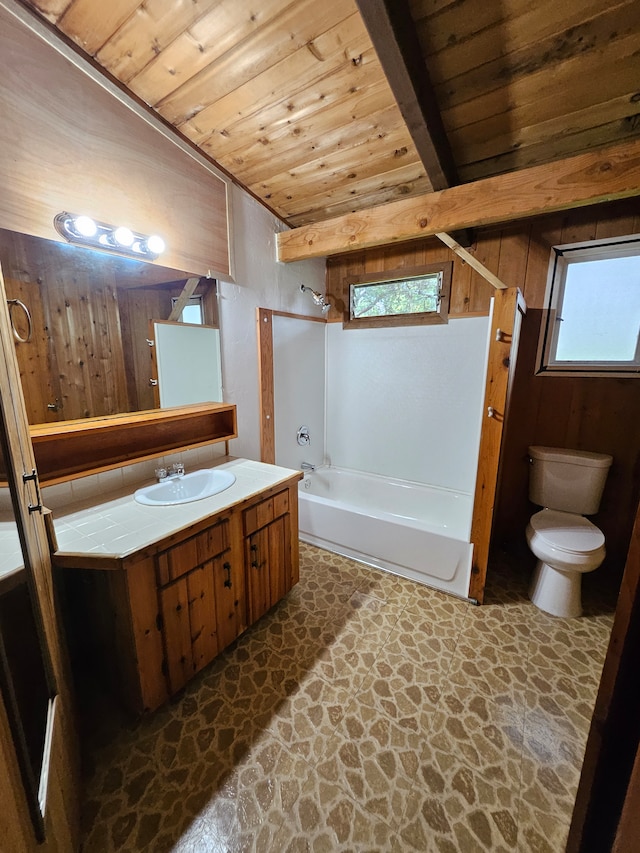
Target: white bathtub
x=419, y=532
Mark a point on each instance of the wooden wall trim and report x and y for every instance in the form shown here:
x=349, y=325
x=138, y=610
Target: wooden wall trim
x=266, y=404
x=586, y=179
x=503, y=347
x=266, y=381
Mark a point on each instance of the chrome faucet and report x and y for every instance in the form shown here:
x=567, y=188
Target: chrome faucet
x=175, y=472
x=307, y=466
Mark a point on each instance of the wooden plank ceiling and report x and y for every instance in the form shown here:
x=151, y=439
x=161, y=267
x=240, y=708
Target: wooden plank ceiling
x=296, y=103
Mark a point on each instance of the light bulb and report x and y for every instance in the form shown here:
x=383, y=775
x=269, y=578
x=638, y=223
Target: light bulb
x=123, y=236
x=155, y=245
x=85, y=226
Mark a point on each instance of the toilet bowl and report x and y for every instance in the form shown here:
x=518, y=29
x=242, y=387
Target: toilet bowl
x=567, y=546
x=569, y=484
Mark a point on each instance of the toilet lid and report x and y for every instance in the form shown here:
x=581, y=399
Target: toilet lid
x=567, y=531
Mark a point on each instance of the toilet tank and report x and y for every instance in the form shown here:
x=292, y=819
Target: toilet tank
x=568, y=480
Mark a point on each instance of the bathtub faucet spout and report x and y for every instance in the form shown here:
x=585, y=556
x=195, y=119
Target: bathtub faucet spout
x=307, y=466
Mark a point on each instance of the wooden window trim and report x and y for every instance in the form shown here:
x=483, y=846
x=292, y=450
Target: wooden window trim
x=427, y=318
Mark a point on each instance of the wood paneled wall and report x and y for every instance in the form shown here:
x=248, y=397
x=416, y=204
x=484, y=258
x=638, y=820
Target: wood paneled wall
x=68, y=144
x=591, y=413
x=470, y=293
x=596, y=414
x=138, y=306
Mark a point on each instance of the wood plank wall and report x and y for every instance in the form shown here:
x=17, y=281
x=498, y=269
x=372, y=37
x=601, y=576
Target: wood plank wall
x=590, y=414
x=138, y=306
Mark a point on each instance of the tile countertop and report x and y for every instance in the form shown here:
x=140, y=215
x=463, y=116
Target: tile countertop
x=117, y=526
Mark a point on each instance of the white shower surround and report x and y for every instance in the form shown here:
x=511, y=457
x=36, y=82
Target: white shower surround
x=403, y=420
x=416, y=531
x=406, y=402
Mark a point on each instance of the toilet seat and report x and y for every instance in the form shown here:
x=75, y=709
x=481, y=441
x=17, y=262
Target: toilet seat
x=567, y=532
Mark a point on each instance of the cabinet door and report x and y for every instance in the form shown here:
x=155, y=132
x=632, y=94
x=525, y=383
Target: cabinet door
x=231, y=617
x=268, y=566
x=202, y=616
x=189, y=616
x=174, y=605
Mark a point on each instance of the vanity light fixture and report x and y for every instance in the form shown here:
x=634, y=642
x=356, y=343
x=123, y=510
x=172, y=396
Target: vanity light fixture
x=85, y=231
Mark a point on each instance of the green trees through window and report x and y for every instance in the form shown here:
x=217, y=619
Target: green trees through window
x=406, y=296
x=410, y=296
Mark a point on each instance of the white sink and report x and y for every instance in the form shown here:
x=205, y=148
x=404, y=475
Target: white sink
x=182, y=490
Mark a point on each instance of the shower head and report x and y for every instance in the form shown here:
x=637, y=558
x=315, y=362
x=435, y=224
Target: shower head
x=318, y=298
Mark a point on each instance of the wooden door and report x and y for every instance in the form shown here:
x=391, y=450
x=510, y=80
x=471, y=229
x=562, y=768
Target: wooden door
x=508, y=309
x=607, y=808
x=45, y=819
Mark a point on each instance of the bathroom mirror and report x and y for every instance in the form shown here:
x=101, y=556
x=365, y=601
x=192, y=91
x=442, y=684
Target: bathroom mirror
x=81, y=320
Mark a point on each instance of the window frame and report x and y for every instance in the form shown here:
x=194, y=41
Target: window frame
x=445, y=269
x=560, y=259
x=194, y=299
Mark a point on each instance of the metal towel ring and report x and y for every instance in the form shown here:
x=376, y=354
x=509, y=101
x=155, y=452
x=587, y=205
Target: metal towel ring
x=16, y=334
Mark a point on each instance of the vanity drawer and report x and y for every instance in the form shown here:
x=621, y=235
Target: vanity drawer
x=182, y=558
x=262, y=513
x=213, y=541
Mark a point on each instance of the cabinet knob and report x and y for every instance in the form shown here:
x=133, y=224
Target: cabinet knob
x=255, y=564
x=254, y=547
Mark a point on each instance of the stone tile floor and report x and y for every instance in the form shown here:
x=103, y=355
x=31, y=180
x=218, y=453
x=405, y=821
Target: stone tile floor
x=363, y=713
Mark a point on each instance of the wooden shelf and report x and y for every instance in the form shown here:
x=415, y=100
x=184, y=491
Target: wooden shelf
x=71, y=449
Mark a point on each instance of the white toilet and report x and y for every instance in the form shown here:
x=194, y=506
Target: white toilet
x=569, y=485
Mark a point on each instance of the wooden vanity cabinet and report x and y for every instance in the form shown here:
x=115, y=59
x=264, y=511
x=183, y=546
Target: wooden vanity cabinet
x=154, y=619
x=201, y=601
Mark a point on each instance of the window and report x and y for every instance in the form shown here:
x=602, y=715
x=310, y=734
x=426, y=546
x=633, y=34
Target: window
x=400, y=297
x=591, y=324
x=192, y=311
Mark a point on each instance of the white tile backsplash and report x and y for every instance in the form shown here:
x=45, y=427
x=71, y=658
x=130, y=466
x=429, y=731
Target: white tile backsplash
x=128, y=476
x=57, y=497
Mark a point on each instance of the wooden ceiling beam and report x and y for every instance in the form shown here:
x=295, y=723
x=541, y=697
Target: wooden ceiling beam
x=393, y=34
x=591, y=178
